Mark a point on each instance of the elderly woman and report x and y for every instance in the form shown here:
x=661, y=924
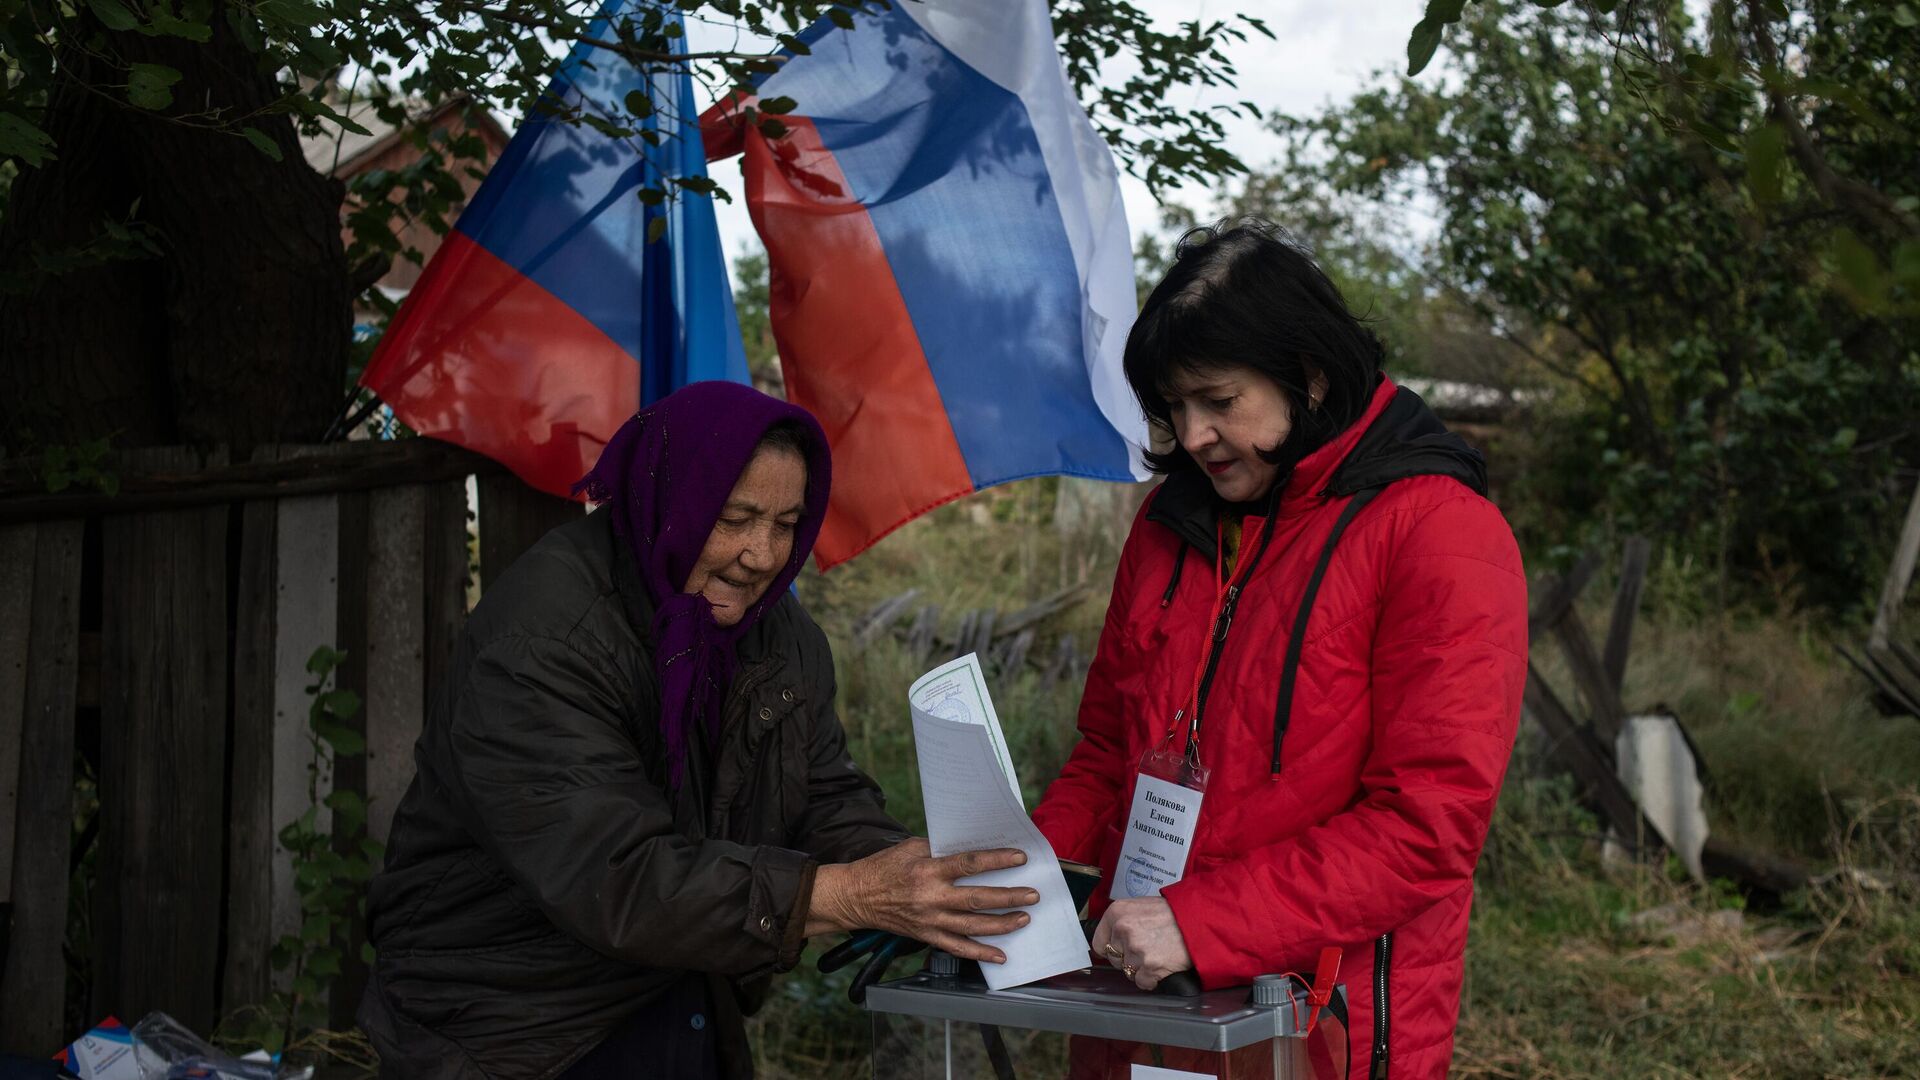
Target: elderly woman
x=1315, y=650
x=634, y=799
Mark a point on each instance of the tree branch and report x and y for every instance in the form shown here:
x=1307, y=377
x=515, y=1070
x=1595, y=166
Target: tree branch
x=1862, y=200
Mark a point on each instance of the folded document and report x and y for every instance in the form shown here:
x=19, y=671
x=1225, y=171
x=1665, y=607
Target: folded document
x=973, y=803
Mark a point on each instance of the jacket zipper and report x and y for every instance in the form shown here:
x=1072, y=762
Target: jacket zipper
x=1224, y=623
x=1382, y=960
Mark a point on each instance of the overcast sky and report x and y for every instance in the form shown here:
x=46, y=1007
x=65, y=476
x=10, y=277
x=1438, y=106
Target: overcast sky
x=1323, y=52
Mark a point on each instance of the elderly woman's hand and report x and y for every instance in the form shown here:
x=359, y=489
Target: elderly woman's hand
x=1146, y=938
x=906, y=890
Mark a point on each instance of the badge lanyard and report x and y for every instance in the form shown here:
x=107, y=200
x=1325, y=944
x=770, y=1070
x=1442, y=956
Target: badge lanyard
x=1170, y=784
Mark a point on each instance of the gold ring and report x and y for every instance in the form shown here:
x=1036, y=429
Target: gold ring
x=1129, y=969
x=1113, y=952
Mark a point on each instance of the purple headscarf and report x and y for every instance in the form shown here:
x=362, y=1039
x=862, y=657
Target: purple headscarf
x=665, y=476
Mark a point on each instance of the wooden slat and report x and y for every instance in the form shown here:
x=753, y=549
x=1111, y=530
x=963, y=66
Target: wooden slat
x=513, y=517
x=306, y=603
x=1895, y=670
x=1573, y=745
x=16, y=600
x=33, y=987
x=1626, y=608
x=350, y=771
x=1559, y=596
x=247, y=978
x=1893, y=592
x=396, y=645
x=164, y=689
x=354, y=466
x=444, y=574
x=1602, y=694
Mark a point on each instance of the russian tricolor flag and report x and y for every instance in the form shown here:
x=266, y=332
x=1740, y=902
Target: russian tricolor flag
x=547, y=318
x=952, y=274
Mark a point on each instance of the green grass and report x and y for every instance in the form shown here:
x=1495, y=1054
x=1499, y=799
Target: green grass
x=1561, y=980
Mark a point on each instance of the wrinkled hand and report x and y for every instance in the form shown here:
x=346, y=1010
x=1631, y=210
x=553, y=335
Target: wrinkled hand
x=906, y=890
x=1147, y=938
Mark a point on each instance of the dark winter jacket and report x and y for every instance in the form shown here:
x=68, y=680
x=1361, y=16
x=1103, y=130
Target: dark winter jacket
x=1392, y=735
x=543, y=882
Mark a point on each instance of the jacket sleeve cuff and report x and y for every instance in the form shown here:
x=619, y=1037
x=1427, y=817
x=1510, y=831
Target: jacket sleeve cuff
x=796, y=935
x=1210, y=957
x=776, y=905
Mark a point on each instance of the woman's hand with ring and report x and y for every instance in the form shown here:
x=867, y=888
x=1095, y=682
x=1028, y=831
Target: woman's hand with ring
x=1141, y=938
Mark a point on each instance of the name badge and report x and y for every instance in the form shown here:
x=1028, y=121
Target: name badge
x=1159, y=834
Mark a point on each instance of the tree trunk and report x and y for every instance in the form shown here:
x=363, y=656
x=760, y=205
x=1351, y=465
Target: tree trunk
x=238, y=331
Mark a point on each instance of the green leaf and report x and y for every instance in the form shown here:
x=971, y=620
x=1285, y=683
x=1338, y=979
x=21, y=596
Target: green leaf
x=1713, y=136
x=316, y=929
x=345, y=741
x=341, y=703
x=21, y=139
x=1420, y=47
x=150, y=86
x=639, y=104
x=324, y=659
x=1845, y=438
x=350, y=808
x=262, y=142
x=772, y=128
x=112, y=14
x=164, y=24
x=1766, y=151
x=795, y=46
x=366, y=953
x=777, y=105
x=1904, y=16
x=1446, y=11
x=1860, y=269
x=841, y=18
x=656, y=229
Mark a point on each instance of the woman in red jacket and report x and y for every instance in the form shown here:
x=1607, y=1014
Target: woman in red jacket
x=1306, y=691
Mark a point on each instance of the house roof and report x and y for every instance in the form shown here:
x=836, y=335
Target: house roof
x=335, y=151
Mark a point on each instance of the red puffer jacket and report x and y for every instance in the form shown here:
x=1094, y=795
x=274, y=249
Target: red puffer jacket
x=1397, y=734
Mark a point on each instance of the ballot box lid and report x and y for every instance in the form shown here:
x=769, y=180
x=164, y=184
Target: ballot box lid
x=1098, y=1002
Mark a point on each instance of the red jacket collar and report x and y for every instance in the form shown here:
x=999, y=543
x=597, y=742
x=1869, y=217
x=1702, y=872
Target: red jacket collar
x=1315, y=471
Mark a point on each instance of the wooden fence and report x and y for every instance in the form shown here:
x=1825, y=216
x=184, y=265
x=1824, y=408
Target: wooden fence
x=159, y=637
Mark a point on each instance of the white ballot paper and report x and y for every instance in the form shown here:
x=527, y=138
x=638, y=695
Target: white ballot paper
x=973, y=802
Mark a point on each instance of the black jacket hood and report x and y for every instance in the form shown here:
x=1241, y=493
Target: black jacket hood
x=1405, y=440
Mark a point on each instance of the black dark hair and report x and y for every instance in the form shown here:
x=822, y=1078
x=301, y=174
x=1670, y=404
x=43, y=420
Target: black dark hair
x=1246, y=294
x=788, y=435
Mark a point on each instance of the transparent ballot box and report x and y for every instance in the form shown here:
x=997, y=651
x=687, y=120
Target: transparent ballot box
x=1096, y=1025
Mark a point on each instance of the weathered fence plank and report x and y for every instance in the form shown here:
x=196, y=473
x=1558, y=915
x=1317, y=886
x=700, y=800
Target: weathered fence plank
x=306, y=606
x=1589, y=673
x=250, y=826
x=1626, y=608
x=444, y=573
x=16, y=602
x=353, y=615
x=33, y=986
x=356, y=466
x=163, y=719
x=513, y=517
x=396, y=643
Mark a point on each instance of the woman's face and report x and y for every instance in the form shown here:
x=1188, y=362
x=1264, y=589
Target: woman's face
x=1224, y=417
x=753, y=539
